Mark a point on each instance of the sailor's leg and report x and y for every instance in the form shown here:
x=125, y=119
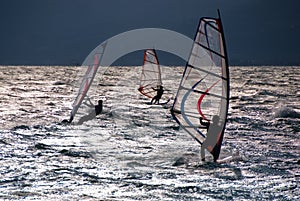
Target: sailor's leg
x=202, y=152
x=152, y=101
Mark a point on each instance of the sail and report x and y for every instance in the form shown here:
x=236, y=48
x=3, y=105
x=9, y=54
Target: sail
x=151, y=74
x=204, y=87
x=92, y=67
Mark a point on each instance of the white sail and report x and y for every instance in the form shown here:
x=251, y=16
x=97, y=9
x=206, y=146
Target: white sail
x=151, y=74
x=92, y=67
x=204, y=88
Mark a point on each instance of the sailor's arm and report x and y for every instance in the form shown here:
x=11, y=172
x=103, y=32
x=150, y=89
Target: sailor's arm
x=206, y=124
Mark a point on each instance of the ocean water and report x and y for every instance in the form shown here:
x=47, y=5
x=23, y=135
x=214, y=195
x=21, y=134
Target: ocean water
x=136, y=151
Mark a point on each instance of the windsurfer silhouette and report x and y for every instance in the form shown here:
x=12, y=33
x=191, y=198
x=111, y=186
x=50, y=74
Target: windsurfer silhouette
x=96, y=111
x=160, y=91
x=213, y=131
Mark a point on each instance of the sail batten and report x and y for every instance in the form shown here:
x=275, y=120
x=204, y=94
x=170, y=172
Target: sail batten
x=212, y=51
x=205, y=92
x=204, y=87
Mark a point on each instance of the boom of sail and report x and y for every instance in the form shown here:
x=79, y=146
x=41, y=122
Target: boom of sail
x=151, y=74
x=204, y=87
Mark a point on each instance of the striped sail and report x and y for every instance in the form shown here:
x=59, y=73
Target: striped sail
x=151, y=74
x=204, y=88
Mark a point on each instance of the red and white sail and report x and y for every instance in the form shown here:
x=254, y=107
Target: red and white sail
x=92, y=65
x=151, y=74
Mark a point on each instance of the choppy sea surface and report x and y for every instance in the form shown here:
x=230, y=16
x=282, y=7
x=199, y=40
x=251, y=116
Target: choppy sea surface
x=136, y=151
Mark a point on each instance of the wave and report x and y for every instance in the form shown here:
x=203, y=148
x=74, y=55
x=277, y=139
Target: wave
x=286, y=112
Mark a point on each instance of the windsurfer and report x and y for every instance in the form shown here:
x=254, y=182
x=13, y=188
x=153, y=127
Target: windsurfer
x=160, y=91
x=96, y=111
x=99, y=107
x=213, y=131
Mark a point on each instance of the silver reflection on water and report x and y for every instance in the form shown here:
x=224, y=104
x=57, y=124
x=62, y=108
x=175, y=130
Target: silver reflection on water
x=130, y=151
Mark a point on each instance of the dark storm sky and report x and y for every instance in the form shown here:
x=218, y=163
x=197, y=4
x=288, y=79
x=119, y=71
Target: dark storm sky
x=63, y=32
